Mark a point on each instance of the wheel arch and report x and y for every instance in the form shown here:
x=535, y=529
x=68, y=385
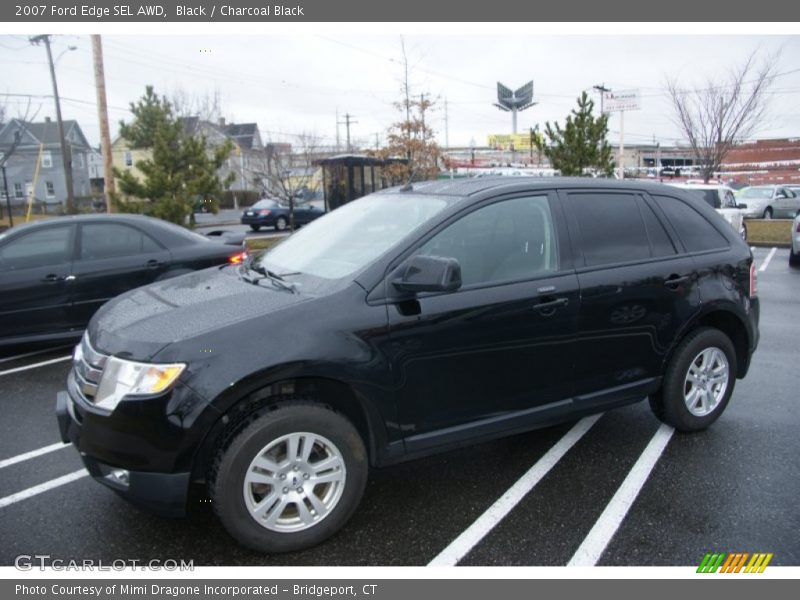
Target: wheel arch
x=731, y=324
x=280, y=391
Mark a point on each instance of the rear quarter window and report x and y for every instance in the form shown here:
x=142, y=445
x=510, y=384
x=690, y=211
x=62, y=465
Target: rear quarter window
x=694, y=230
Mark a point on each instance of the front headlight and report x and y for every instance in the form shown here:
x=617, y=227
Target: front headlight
x=126, y=377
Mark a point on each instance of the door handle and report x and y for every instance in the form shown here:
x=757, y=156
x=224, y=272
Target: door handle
x=153, y=264
x=51, y=278
x=549, y=306
x=676, y=280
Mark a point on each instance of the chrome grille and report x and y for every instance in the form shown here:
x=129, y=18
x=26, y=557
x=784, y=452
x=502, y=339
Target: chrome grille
x=87, y=367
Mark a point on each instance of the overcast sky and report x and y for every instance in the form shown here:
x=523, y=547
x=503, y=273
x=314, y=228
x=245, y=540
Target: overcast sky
x=294, y=84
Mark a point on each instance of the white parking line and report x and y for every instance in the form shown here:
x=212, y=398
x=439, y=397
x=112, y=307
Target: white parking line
x=765, y=264
x=606, y=526
x=32, y=454
x=35, y=352
x=34, y=365
x=470, y=537
x=42, y=487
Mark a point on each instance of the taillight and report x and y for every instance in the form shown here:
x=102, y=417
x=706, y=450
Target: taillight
x=264, y=212
x=753, y=280
x=238, y=258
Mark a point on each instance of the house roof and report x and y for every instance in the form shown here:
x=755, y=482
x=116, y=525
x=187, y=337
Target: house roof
x=46, y=132
x=243, y=133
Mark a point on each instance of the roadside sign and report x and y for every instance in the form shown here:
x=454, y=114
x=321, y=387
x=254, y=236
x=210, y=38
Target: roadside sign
x=621, y=100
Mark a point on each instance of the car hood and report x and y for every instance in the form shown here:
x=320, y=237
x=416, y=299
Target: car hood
x=141, y=322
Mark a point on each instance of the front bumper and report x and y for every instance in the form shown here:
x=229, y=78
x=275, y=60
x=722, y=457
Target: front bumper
x=164, y=494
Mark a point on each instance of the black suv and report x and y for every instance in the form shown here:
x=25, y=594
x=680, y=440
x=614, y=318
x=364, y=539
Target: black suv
x=405, y=323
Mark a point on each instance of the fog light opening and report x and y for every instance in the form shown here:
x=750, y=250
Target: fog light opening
x=119, y=476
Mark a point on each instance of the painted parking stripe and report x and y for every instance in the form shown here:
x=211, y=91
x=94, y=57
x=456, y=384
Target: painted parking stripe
x=34, y=353
x=765, y=264
x=470, y=537
x=32, y=454
x=43, y=487
x=35, y=365
x=606, y=526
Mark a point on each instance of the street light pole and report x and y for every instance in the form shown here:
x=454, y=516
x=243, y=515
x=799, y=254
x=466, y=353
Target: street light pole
x=66, y=154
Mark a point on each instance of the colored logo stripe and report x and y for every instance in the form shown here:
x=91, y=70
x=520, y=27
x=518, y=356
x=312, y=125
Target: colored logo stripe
x=734, y=562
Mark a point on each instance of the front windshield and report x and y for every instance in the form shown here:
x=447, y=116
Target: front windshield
x=757, y=192
x=350, y=237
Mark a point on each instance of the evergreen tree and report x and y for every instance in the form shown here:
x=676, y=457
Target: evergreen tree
x=581, y=144
x=180, y=169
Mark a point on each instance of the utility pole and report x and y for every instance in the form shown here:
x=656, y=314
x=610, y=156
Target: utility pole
x=348, y=120
x=377, y=141
x=102, y=115
x=66, y=153
x=338, y=145
x=446, y=127
x=602, y=89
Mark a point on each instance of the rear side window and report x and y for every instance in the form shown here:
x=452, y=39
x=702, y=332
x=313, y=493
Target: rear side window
x=108, y=240
x=694, y=230
x=612, y=228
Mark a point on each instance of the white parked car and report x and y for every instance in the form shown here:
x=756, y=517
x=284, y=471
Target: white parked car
x=794, y=252
x=769, y=201
x=721, y=198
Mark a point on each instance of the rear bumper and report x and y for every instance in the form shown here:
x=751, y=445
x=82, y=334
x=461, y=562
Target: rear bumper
x=164, y=494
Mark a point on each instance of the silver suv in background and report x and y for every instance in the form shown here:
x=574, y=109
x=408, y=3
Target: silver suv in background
x=721, y=199
x=769, y=201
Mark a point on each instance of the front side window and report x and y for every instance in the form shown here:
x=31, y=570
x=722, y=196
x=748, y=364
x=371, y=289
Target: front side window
x=506, y=241
x=696, y=233
x=109, y=240
x=50, y=246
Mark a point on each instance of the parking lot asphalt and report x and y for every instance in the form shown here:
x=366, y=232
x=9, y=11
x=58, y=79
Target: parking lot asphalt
x=522, y=500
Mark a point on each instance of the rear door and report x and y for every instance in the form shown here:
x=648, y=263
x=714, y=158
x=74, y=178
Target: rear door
x=497, y=353
x=36, y=280
x=113, y=258
x=636, y=292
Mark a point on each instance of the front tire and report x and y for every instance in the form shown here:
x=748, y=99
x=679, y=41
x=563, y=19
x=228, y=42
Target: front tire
x=290, y=478
x=794, y=258
x=768, y=213
x=255, y=227
x=699, y=381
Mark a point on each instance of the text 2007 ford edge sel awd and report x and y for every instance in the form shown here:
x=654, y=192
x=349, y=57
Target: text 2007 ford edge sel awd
x=404, y=323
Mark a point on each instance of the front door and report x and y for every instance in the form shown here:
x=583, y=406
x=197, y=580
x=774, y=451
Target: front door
x=35, y=282
x=497, y=353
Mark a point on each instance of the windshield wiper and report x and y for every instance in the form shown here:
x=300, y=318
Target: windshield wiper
x=264, y=273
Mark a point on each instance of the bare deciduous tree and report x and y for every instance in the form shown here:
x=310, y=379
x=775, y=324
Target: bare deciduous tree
x=290, y=173
x=726, y=110
x=207, y=106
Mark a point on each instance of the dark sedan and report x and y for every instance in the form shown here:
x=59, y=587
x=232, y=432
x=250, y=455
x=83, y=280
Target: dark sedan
x=271, y=213
x=55, y=274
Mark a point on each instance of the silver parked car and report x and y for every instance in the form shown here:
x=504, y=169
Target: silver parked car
x=794, y=252
x=769, y=201
x=720, y=198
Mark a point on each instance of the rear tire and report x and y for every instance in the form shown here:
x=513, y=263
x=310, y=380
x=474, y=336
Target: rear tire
x=262, y=483
x=698, y=383
x=768, y=213
x=281, y=224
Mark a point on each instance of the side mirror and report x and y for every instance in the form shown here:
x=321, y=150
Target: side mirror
x=429, y=274
x=780, y=195
x=741, y=205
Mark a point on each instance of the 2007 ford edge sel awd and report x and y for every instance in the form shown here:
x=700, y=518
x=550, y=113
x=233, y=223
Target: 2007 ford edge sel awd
x=404, y=323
